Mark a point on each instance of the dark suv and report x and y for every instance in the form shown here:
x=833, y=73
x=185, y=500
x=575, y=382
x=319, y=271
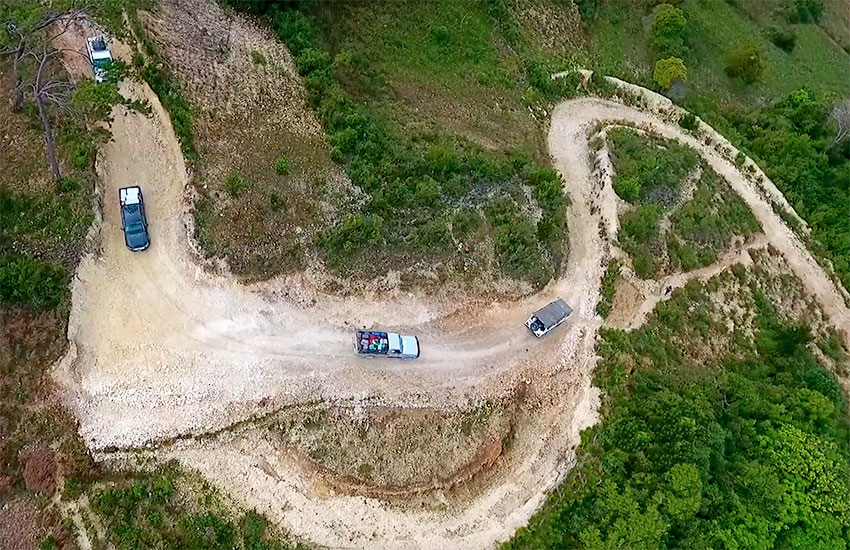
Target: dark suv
x=133, y=220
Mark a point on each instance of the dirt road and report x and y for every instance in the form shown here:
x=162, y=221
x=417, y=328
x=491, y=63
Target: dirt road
x=161, y=348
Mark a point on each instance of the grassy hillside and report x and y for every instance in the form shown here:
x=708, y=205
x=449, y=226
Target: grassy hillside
x=622, y=45
x=425, y=106
x=432, y=67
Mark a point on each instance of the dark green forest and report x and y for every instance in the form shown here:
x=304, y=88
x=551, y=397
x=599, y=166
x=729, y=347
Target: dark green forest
x=742, y=444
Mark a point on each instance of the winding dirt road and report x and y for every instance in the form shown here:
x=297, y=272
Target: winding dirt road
x=161, y=348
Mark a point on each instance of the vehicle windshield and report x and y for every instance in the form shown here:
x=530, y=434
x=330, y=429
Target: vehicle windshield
x=135, y=228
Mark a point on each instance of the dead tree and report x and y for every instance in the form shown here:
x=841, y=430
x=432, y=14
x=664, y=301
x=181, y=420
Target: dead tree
x=33, y=54
x=24, y=38
x=841, y=115
x=46, y=90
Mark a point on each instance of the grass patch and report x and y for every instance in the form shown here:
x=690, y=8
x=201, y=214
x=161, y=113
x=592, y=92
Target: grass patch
x=28, y=282
x=609, y=288
x=665, y=232
x=167, y=509
x=418, y=183
x=649, y=169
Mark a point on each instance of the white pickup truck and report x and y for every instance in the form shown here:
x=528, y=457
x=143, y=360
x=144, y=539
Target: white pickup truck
x=99, y=55
x=387, y=344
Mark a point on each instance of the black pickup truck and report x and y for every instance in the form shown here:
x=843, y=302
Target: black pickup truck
x=133, y=219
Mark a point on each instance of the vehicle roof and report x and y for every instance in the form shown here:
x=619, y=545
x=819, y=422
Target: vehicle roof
x=410, y=345
x=553, y=312
x=395, y=340
x=130, y=195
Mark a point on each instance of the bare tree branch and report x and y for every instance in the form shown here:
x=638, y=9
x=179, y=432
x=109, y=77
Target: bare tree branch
x=841, y=115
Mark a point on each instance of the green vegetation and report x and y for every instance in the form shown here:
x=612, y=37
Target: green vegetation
x=281, y=166
x=35, y=284
x=258, y=58
x=609, y=287
x=653, y=168
x=152, y=69
x=746, y=61
x=669, y=71
x=668, y=30
x=418, y=184
x=793, y=141
x=235, y=184
x=621, y=47
x=163, y=510
x=711, y=438
x=650, y=173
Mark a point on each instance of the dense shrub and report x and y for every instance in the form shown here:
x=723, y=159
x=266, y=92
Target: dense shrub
x=149, y=512
x=698, y=450
x=791, y=140
x=587, y=9
x=609, y=282
x=627, y=188
x=516, y=242
x=415, y=186
x=669, y=71
x=745, y=61
x=31, y=283
x=668, y=30
x=689, y=121
x=156, y=74
x=355, y=234
x=802, y=11
x=658, y=166
x=783, y=37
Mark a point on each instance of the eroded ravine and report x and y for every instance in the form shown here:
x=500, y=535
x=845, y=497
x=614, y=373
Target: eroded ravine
x=161, y=348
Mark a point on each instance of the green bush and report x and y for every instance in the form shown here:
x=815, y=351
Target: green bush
x=172, y=101
x=465, y=222
x=434, y=235
x=235, y=184
x=32, y=283
x=641, y=224
x=411, y=182
x=658, y=165
x=783, y=37
x=440, y=34
x=517, y=246
x=668, y=30
x=281, y=166
x=628, y=188
x=802, y=11
x=668, y=71
x=746, y=61
x=356, y=233
x=609, y=287
x=146, y=511
x=699, y=448
x=258, y=58
x=787, y=139
x=442, y=161
x=689, y=121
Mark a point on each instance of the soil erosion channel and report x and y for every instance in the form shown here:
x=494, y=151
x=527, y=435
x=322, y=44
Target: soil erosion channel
x=161, y=348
